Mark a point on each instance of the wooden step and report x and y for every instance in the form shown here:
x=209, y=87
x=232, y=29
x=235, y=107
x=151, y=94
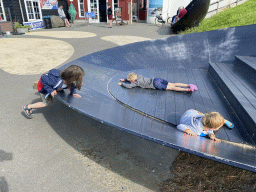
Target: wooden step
x=246, y=61
x=239, y=96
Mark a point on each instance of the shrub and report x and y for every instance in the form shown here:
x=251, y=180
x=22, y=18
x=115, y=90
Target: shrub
x=17, y=25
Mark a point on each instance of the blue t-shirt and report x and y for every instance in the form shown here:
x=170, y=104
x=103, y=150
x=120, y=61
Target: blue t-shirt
x=193, y=121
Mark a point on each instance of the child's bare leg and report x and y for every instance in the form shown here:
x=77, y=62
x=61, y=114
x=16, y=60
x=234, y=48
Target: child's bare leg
x=36, y=105
x=180, y=85
x=28, y=108
x=174, y=87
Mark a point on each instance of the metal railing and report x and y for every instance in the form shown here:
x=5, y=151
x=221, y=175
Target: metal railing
x=219, y=8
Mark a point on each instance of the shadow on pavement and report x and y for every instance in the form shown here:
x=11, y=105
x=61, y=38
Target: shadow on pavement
x=165, y=30
x=3, y=185
x=4, y=157
x=139, y=160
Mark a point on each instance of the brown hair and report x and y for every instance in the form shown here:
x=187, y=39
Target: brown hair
x=213, y=120
x=131, y=76
x=71, y=74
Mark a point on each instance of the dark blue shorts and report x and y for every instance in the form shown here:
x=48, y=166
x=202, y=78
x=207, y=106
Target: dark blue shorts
x=160, y=83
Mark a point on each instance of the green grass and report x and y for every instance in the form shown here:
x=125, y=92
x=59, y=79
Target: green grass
x=244, y=14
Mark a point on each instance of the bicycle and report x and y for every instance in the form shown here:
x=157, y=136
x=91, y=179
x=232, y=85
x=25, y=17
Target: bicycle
x=159, y=19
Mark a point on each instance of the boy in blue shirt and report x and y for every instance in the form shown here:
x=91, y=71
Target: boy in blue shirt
x=55, y=80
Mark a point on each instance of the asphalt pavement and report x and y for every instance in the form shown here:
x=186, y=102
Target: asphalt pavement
x=62, y=150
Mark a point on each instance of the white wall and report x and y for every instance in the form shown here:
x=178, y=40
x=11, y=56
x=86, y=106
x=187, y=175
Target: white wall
x=169, y=6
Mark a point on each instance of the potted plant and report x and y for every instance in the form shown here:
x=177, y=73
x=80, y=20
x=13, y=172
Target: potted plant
x=20, y=28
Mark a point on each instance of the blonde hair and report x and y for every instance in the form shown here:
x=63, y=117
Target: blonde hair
x=213, y=120
x=132, y=76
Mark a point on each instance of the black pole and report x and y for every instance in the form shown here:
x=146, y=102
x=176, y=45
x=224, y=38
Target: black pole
x=10, y=14
x=145, y=4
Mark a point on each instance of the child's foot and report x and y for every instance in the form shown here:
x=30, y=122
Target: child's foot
x=28, y=112
x=229, y=124
x=193, y=87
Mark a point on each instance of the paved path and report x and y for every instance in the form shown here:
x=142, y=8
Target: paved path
x=60, y=149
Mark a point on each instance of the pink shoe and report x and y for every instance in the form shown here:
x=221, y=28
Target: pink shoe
x=193, y=87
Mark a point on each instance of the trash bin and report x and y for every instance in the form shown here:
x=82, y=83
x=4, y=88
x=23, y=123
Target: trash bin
x=47, y=22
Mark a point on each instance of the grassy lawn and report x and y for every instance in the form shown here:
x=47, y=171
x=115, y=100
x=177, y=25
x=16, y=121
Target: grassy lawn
x=244, y=14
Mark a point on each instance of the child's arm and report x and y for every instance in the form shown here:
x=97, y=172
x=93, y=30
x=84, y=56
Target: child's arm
x=123, y=80
x=213, y=137
x=72, y=91
x=186, y=129
x=129, y=86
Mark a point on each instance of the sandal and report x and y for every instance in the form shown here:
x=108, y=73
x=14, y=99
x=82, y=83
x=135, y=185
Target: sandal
x=28, y=112
x=229, y=124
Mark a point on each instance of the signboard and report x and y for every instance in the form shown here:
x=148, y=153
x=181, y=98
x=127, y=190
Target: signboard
x=35, y=24
x=49, y=4
x=118, y=13
x=155, y=7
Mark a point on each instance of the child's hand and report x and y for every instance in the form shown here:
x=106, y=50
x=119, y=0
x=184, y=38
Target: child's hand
x=53, y=93
x=217, y=140
x=121, y=79
x=119, y=83
x=213, y=137
x=200, y=113
x=76, y=95
x=189, y=132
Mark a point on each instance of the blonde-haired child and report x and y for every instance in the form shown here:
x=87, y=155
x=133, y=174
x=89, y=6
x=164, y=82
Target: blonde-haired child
x=196, y=123
x=55, y=80
x=155, y=83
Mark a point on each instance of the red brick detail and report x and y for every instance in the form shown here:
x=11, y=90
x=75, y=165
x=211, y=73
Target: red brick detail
x=6, y=26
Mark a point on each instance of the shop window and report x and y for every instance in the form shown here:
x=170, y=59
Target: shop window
x=33, y=10
x=81, y=8
x=2, y=14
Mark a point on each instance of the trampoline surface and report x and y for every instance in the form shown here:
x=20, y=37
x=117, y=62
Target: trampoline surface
x=154, y=114
x=169, y=106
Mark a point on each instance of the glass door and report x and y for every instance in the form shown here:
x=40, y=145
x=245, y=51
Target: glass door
x=81, y=8
x=93, y=6
x=2, y=13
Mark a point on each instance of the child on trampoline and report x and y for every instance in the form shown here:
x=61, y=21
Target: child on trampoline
x=55, y=80
x=155, y=83
x=195, y=123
